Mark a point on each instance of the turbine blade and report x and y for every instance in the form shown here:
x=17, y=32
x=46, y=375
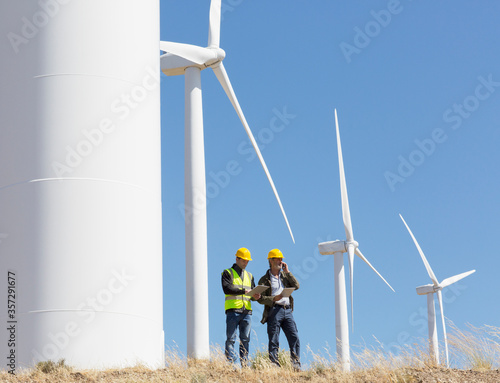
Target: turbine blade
x=358, y=253
x=440, y=298
x=196, y=54
x=427, y=266
x=456, y=278
x=223, y=78
x=214, y=24
x=346, y=215
x=350, y=253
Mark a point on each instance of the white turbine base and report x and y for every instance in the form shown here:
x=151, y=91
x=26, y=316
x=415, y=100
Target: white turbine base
x=195, y=221
x=341, y=320
x=431, y=321
x=80, y=183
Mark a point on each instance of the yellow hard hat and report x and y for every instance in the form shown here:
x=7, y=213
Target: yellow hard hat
x=275, y=253
x=243, y=253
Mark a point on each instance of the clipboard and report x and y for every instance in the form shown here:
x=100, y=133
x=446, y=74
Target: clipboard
x=257, y=290
x=287, y=291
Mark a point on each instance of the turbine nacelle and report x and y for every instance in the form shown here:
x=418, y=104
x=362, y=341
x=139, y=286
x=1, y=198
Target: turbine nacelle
x=179, y=57
x=428, y=289
x=337, y=246
x=332, y=247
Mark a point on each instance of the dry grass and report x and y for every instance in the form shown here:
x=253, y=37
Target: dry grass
x=477, y=348
x=476, y=352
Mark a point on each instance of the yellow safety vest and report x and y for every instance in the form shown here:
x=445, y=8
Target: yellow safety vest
x=238, y=301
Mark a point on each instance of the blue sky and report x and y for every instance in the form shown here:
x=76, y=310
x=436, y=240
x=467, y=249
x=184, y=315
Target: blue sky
x=417, y=88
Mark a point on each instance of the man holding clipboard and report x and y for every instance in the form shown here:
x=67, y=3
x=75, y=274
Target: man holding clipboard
x=237, y=284
x=279, y=306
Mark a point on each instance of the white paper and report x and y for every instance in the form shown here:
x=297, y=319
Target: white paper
x=287, y=291
x=257, y=290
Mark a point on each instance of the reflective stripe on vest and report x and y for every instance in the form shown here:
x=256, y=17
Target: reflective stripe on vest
x=238, y=301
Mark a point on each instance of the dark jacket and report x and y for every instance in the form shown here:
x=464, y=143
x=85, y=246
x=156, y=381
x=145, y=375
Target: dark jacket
x=230, y=289
x=266, y=298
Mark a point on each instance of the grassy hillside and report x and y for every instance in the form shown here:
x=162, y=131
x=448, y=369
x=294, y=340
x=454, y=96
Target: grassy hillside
x=476, y=351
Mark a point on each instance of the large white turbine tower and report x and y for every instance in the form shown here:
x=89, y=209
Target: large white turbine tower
x=190, y=60
x=80, y=198
x=430, y=290
x=338, y=248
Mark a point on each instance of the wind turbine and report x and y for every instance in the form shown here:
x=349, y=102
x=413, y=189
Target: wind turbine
x=190, y=60
x=429, y=290
x=338, y=248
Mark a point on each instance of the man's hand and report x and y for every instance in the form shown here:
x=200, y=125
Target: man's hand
x=285, y=267
x=256, y=297
x=276, y=298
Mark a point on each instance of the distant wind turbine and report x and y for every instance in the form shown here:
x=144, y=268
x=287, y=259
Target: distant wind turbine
x=429, y=290
x=190, y=60
x=337, y=248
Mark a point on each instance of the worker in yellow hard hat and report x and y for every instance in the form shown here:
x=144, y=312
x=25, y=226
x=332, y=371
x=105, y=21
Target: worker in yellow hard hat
x=236, y=282
x=278, y=310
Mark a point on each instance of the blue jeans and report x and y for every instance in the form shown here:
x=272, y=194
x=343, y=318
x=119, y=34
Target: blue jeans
x=243, y=322
x=281, y=318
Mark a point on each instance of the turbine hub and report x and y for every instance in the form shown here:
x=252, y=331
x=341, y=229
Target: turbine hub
x=354, y=243
x=219, y=55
